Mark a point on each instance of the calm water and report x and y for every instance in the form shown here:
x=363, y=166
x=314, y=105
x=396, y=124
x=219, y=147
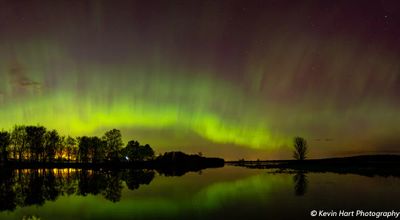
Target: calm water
x=228, y=192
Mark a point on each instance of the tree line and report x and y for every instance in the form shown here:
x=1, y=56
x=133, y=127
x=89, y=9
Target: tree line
x=38, y=144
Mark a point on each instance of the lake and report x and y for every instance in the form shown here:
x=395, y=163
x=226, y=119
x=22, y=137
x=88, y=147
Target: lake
x=219, y=193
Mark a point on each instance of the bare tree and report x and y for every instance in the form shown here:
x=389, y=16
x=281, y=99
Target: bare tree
x=300, y=148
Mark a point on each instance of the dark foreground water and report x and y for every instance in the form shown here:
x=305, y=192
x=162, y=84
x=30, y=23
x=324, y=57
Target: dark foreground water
x=221, y=193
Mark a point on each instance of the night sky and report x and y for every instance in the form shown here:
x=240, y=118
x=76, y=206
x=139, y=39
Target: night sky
x=226, y=78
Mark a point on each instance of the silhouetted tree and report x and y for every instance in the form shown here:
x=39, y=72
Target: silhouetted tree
x=51, y=141
x=113, y=141
x=35, y=141
x=124, y=154
x=300, y=148
x=74, y=153
x=37, y=144
x=5, y=141
x=84, y=148
x=60, y=148
x=97, y=149
x=148, y=152
x=19, y=139
x=135, y=152
x=131, y=151
x=70, y=147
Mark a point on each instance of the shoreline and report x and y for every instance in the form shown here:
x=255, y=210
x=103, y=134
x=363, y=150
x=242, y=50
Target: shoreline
x=367, y=165
x=151, y=164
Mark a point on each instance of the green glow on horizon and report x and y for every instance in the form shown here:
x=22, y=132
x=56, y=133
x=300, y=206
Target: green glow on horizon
x=94, y=116
x=132, y=95
x=86, y=88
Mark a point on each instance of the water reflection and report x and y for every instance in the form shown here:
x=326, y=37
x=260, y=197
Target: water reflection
x=223, y=193
x=300, y=183
x=26, y=187
x=135, y=178
x=7, y=193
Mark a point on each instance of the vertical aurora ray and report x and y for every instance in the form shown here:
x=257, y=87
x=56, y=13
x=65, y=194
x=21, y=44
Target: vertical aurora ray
x=248, y=75
x=151, y=104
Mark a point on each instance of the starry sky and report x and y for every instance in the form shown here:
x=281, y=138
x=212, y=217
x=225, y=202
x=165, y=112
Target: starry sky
x=235, y=79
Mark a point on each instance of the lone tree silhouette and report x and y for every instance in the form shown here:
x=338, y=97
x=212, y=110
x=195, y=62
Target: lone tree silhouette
x=300, y=148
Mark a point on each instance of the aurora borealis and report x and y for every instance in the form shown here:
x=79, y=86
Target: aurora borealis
x=227, y=78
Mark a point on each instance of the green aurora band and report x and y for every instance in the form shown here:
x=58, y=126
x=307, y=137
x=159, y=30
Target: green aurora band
x=77, y=78
x=131, y=96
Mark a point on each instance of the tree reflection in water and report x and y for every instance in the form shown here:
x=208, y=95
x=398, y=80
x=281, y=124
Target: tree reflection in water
x=300, y=183
x=26, y=187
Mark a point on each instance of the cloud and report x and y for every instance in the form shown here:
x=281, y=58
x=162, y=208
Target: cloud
x=27, y=83
x=20, y=80
x=323, y=139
